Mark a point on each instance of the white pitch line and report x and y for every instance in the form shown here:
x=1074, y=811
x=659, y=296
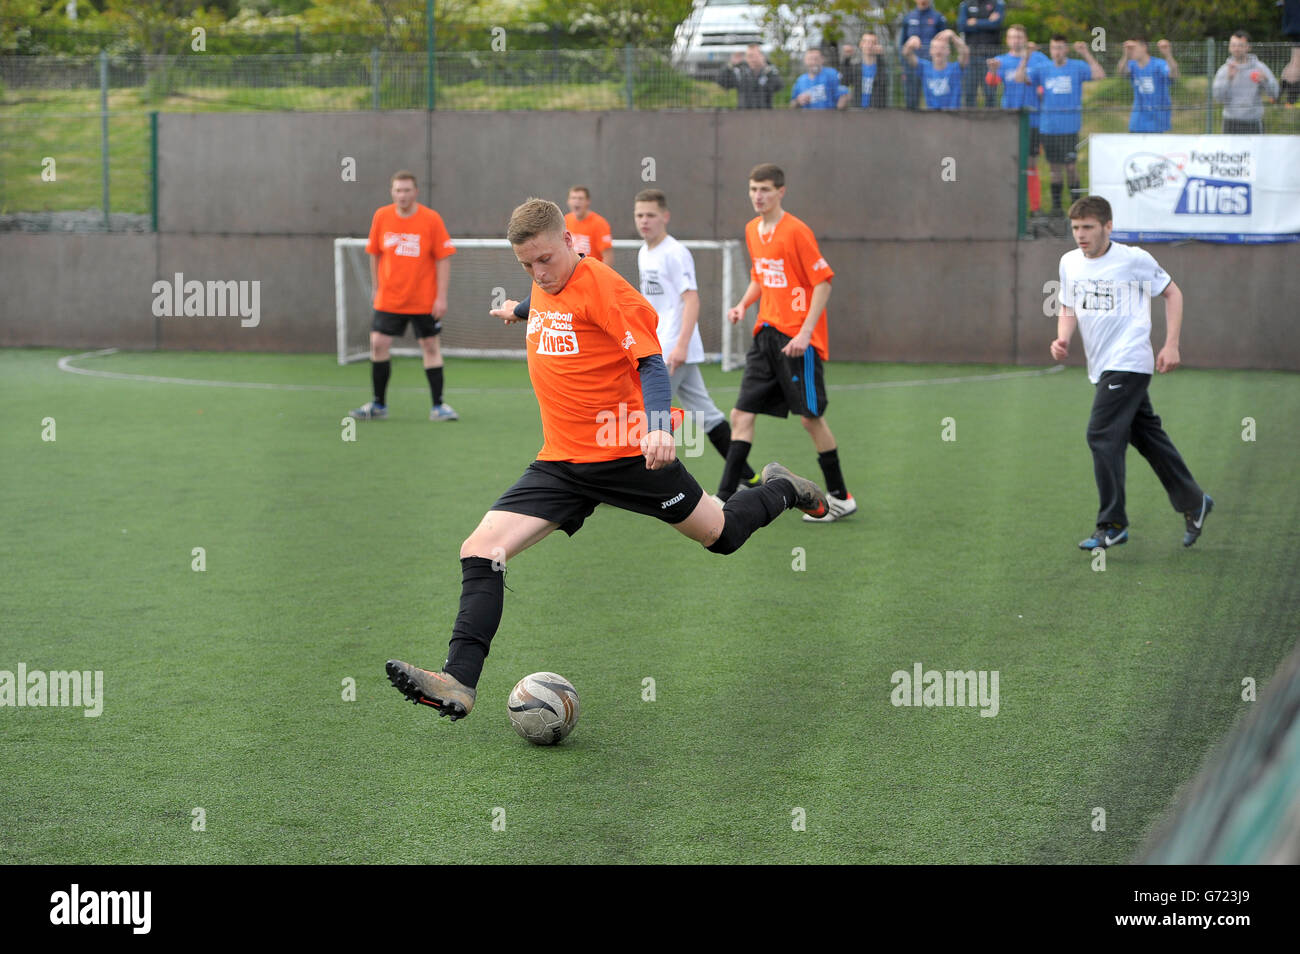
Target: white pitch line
x=65, y=364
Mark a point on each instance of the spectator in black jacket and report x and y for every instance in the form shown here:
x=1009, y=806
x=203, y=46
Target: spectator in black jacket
x=753, y=78
x=1291, y=30
x=867, y=75
x=980, y=24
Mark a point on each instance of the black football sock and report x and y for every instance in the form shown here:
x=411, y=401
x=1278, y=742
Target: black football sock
x=737, y=453
x=830, y=465
x=750, y=509
x=482, y=594
x=379, y=374
x=720, y=436
x=435, y=383
x=1056, y=195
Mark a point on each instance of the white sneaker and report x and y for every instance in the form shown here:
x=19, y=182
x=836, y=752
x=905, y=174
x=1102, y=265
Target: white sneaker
x=443, y=412
x=838, y=508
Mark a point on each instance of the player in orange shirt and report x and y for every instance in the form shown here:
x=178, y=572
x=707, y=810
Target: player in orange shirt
x=410, y=267
x=591, y=233
x=783, y=368
x=603, y=391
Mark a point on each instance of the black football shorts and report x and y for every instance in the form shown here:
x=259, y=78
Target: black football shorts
x=391, y=323
x=567, y=493
x=776, y=384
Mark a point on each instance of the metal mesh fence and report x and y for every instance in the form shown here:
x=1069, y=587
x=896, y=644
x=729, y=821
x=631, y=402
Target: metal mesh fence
x=50, y=106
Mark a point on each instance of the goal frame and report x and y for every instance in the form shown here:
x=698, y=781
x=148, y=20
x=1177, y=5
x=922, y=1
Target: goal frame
x=732, y=335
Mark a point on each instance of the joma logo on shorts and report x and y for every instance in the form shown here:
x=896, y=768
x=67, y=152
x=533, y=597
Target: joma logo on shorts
x=668, y=503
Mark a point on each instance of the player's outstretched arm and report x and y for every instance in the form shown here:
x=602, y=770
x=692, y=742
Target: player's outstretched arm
x=690, y=318
x=796, y=346
x=507, y=312
x=656, y=395
x=1168, y=358
x=752, y=293
x=442, y=269
x=1066, y=322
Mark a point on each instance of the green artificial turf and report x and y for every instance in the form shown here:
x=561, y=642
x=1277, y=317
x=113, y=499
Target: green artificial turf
x=223, y=689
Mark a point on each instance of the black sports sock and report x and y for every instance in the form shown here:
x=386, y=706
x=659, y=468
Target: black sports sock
x=750, y=509
x=737, y=453
x=435, y=383
x=830, y=465
x=379, y=374
x=720, y=436
x=1056, y=195
x=1074, y=189
x=482, y=593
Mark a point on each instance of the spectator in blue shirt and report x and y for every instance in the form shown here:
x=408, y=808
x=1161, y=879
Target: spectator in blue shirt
x=926, y=23
x=940, y=78
x=980, y=23
x=1020, y=94
x=819, y=87
x=868, y=80
x=1152, y=78
x=1061, y=110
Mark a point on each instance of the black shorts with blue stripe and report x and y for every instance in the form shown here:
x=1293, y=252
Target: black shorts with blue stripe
x=776, y=384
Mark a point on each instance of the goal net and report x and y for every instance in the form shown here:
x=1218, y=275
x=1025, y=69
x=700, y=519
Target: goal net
x=485, y=270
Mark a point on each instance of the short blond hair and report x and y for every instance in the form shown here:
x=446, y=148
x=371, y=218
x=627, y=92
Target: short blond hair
x=533, y=218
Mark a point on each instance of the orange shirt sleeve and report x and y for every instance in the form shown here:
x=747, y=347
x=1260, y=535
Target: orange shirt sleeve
x=375, y=245
x=442, y=244
x=627, y=317
x=604, y=236
x=816, y=268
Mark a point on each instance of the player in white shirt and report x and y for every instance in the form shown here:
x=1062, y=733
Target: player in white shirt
x=667, y=271
x=1106, y=290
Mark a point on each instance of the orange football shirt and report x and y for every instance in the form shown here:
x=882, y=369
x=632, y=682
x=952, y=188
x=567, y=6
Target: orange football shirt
x=787, y=265
x=583, y=349
x=591, y=236
x=408, y=249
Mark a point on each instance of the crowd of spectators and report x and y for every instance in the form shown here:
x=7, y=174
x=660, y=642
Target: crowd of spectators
x=980, y=61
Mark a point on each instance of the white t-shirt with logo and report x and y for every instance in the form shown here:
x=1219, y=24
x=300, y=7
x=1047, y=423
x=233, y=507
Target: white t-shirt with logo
x=1111, y=296
x=668, y=270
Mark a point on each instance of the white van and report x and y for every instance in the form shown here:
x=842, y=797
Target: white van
x=704, y=42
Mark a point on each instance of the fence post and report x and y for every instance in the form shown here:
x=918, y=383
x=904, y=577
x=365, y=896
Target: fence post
x=1209, y=87
x=374, y=79
x=103, y=126
x=431, y=38
x=627, y=73
x=1022, y=178
x=153, y=169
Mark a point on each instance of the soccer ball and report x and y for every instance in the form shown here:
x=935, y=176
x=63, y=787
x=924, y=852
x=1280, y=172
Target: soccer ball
x=543, y=708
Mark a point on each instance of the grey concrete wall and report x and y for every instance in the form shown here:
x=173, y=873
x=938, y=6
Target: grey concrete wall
x=892, y=301
x=927, y=269
x=281, y=173
x=858, y=175
x=69, y=290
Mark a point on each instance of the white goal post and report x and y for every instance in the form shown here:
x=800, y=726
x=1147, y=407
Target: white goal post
x=484, y=270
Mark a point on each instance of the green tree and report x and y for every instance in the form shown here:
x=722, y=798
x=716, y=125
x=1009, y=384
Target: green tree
x=639, y=23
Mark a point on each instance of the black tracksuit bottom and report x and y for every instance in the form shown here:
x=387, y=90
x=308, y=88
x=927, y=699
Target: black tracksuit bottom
x=1122, y=415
